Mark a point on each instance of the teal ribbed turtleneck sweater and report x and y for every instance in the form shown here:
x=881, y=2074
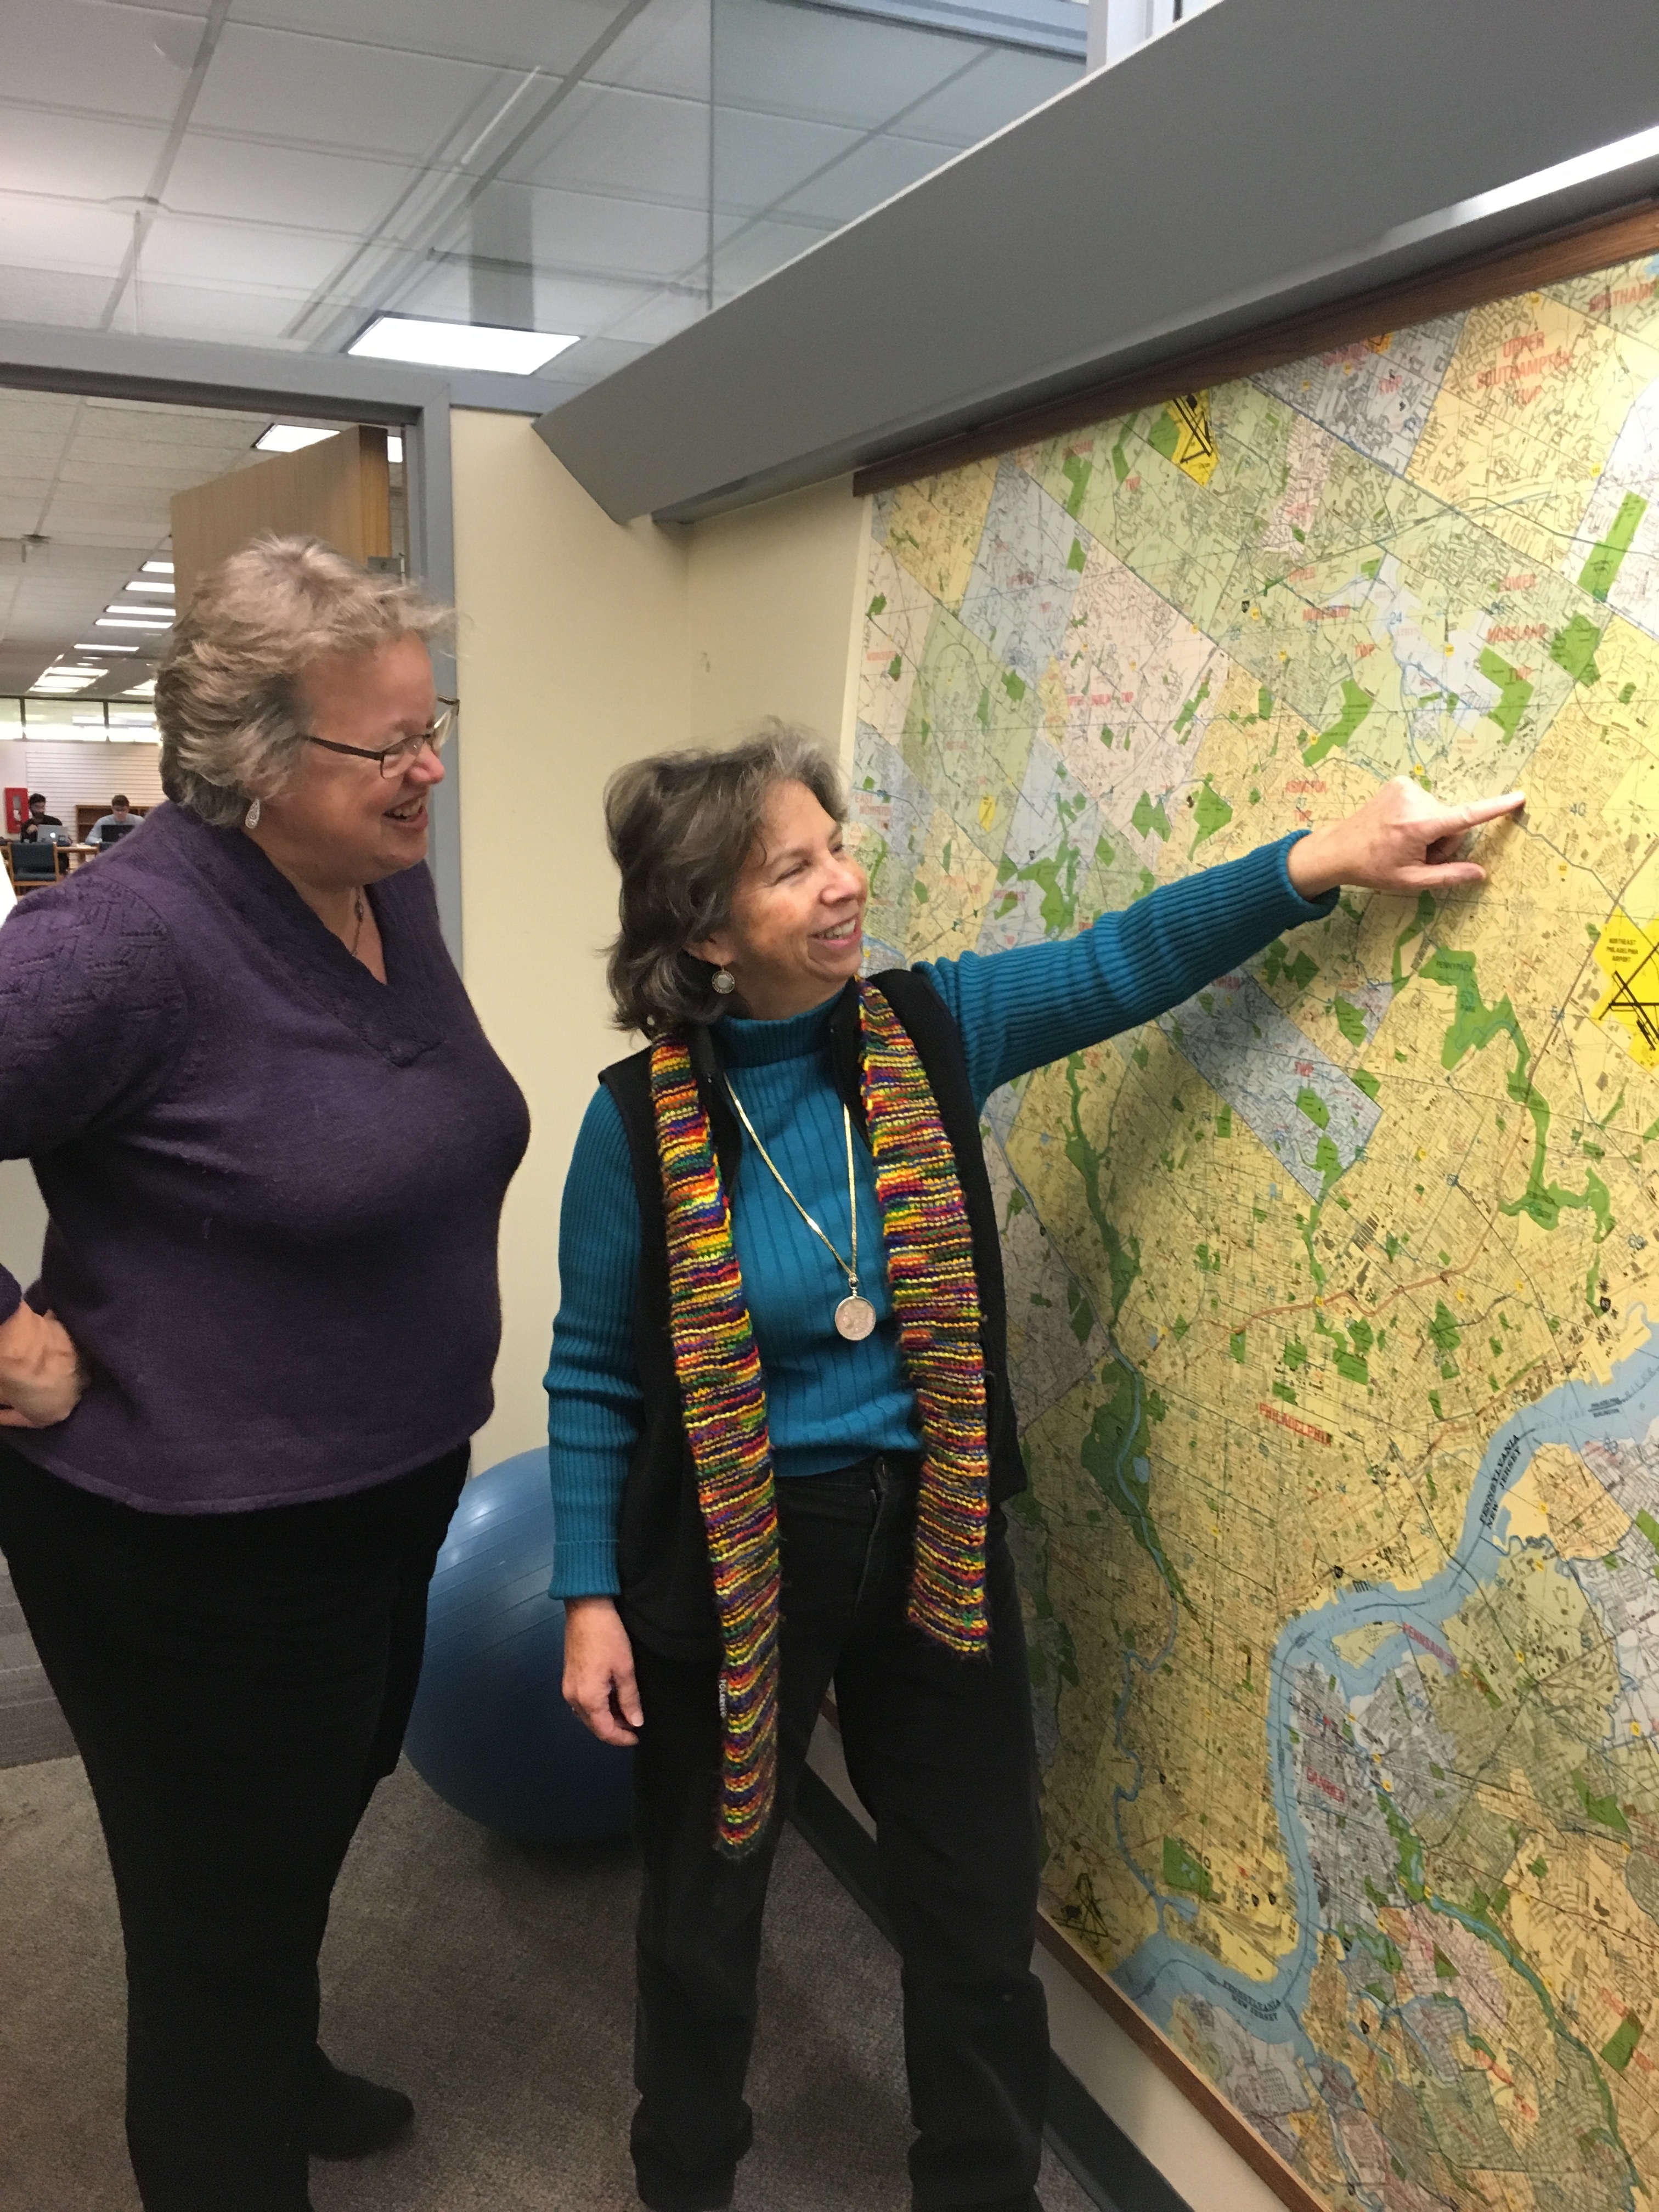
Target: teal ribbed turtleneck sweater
x=830, y=1402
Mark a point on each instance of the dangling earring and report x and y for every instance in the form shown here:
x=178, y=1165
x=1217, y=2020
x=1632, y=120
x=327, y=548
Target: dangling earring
x=724, y=981
x=250, y=819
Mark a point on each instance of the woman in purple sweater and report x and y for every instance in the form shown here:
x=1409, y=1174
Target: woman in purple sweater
x=273, y=1143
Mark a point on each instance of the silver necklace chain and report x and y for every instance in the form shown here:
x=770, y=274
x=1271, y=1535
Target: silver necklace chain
x=854, y=1316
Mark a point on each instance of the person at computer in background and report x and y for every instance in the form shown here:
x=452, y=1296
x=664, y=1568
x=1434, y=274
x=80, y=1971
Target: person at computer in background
x=120, y=814
x=39, y=818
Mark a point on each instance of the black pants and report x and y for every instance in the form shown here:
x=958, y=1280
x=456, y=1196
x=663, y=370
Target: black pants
x=236, y=1684
x=940, y=1751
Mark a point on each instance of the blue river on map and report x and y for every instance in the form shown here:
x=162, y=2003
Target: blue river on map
x=1164, y=1969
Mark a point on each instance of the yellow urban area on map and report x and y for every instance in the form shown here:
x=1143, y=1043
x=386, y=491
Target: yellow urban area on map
x=1330, y=1290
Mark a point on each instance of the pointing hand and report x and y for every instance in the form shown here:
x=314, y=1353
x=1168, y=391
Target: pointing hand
x=1400, y=840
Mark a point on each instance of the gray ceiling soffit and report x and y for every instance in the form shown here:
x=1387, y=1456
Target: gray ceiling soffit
x=1260, y=158
x=41, y=357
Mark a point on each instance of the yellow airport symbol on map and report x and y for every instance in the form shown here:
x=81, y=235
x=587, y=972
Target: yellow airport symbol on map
x=1182, y=434
x=1628, y=955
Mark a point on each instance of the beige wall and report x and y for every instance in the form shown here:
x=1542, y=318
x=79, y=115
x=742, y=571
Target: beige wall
x=775, y=608
x=582, y=644
x=572, y=652
x=22, y=1220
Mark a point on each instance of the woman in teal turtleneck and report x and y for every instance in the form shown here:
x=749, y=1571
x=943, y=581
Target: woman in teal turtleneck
x=778, y=1258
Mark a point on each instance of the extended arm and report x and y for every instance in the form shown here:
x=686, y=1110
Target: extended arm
x=1019, y=1009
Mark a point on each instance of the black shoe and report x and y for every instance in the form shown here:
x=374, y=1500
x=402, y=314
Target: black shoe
x=348, y=2117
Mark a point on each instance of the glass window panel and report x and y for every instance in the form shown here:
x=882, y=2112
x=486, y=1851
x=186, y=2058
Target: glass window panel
x=820, y=113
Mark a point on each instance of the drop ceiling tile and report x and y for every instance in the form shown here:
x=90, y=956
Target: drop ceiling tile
x=31, y=452
x=36, y=411
x=586, y=231
x=867, y=175
x=1001, y=87
x=516, y=35
x=56, y=297
x=227, y=315
x=759, y=159
x=327, y=93
x=115, y=511
x=825, y=67
x=590, y=308
x=757, y=248
x=193, y=249
x=592, y=255
x=93, y=475
x=596, y=357
x=76, y=157
x=440, y=288
x=636, y=143
x=36, y=232
x=660, y=317
x=152, y=419
x=665, y=49
x=26, y=489
x=240, y=178
x=205, y=427
x=105, y=59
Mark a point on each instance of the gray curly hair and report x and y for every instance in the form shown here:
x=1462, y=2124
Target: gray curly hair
x=681, y=826
x=228, y=691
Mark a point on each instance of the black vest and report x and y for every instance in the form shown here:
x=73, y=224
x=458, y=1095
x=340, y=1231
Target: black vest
x=662, y=1554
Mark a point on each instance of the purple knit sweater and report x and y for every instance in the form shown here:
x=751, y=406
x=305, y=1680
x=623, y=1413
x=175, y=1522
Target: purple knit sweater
x=273, y=1183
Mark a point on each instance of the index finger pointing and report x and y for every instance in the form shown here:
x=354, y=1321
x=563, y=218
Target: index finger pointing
x=1488, y=810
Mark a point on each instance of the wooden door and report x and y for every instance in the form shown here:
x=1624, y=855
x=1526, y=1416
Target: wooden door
x=339, y=490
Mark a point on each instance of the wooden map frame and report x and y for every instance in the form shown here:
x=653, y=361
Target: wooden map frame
x=1577, y=251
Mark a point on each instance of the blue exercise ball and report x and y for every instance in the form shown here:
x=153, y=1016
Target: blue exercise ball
x=489, y=1731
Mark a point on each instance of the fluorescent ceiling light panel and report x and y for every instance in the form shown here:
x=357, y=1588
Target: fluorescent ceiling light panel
x=290, y=438
x=158, y=568
x=459, y=345
x=141, y=691
x=126, y=622
x=162, y=615
x=149, y=584
x=104, y=646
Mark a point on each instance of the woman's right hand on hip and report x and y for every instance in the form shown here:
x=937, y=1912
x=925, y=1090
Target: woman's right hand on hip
x=599, y=1670
x=43, y=1376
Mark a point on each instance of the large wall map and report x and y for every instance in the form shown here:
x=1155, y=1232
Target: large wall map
x=1331, y=1291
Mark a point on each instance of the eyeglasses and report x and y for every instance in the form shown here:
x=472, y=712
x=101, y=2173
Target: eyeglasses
x=394, y=759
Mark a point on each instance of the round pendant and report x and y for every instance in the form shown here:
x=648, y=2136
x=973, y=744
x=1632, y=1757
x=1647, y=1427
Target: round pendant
x=854, y=1318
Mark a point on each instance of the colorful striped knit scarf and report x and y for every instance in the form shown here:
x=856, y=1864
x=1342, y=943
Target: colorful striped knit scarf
x=930, y=1272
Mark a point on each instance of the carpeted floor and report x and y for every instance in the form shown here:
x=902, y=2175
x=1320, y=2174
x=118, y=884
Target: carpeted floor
x=31, y=1726
x=490, y=1979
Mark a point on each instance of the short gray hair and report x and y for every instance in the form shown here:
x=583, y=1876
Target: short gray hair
x=681, y=826
x=228, y=691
